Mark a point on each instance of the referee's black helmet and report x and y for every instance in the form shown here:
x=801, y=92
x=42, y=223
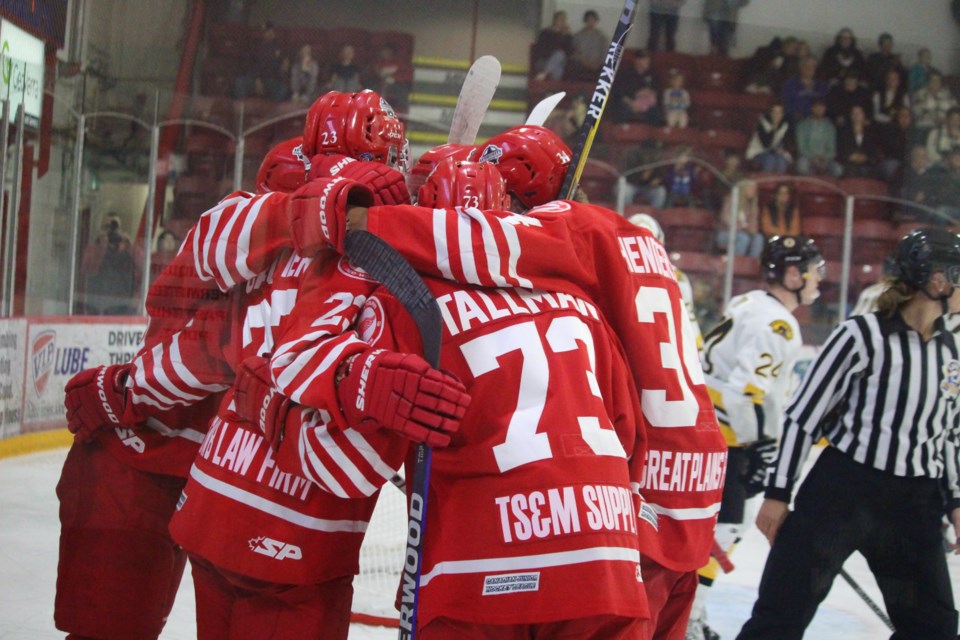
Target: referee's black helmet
x=782, y=252
x=923, y=252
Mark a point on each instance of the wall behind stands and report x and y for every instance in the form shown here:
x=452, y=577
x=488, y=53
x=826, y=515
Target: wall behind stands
x=443, y=28
x=924, y=23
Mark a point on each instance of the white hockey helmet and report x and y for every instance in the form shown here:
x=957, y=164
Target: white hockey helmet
x=649, y=223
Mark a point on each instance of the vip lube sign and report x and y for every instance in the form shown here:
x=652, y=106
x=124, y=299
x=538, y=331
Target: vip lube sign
x=21, y=71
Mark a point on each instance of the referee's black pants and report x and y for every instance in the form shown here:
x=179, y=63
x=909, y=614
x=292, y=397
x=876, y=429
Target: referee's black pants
x=842, y=507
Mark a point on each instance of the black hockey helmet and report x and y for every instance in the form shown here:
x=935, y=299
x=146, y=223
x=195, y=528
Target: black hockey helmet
x=923, y=252
x=781, y=252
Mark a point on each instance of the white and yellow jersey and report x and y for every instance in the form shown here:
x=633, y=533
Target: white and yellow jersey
x=748, y=361
x=686, y=292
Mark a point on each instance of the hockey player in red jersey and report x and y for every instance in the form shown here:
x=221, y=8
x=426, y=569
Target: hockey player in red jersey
x=103, y=530
x=550, y=437
x=567, y=246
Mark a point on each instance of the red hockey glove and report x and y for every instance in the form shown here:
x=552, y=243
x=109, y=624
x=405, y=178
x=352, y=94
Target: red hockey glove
x=256, y=400
x=401, y=392
x=317, y=213
x=95, y=400
x=388, y=185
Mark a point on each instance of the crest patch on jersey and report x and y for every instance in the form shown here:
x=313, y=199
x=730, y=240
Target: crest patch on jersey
x=347, y=269
x=950, y=385
x=782, y=328
x=371, y=321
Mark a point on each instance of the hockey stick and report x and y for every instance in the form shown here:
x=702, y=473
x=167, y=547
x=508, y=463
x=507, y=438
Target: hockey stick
x=475, y=96
x=543, y=109
x=389, y=268
x=866, y=599
x=598, y=101
x=718, y=554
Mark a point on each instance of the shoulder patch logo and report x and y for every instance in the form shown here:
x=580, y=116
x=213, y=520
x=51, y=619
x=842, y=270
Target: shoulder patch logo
x=782, y=328
x=347, y=269
x=950, y=385
x=371, y=321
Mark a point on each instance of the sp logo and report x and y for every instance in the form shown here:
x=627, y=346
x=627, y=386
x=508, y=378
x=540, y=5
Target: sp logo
x=275, y=549
x=43, y=353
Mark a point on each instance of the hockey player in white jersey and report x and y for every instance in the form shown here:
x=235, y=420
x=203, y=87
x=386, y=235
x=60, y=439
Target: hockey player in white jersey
x=748, y=359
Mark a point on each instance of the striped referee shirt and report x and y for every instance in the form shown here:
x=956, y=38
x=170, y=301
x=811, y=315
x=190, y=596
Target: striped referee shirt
x=884, y=397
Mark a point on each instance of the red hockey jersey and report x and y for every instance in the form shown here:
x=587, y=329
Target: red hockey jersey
x=532, y=499
x=566, y=246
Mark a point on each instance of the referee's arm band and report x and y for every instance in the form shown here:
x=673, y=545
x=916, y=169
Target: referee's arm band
x=775, y=493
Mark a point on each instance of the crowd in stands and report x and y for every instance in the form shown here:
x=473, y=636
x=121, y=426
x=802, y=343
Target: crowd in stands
x=298, y=64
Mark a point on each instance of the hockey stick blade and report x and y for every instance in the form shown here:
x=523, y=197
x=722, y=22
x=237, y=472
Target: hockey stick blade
x=598, y=101
x=475, y=96
x=866, y=599
x=544, y=108
x=389, y=268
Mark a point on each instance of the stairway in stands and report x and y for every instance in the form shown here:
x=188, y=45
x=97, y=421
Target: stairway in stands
x=436, y=86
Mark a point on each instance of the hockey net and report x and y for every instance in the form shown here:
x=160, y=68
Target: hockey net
x=381, y=561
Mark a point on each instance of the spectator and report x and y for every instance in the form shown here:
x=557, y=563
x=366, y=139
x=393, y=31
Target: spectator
x=303, y=76
x=731, y=173
x=268, y=69
x=763, y=71
x=167, y=246
x=795, y=53
x=721, y=18
x=920, y=71
x=800, y=91
x=890, y=97
x=567, y=122
x=111, y=268
x=770, y=147
x=858, y=148
x=748, y=240
x=921, y=181
x=589, y=48
x=948, y=193
x=780, y=216
x=634, y=92
x=884, y=60
x=680, y=180
x=345, y=75
x=665, y=18
x=895, y=138
x=390, y=77
x=645, y=185
x=930, y=104
x=676, y=102
x=943, y=139
x=552, y=48
x=816, y=138
x=842, y=57
x=845, y=95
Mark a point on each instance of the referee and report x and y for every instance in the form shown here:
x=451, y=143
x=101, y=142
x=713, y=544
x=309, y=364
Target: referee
x=884, y=393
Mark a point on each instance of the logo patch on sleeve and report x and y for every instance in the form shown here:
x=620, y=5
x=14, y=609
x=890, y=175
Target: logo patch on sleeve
x=782, y=328
x=950, y=385
x=511, y=583
x=371, y=321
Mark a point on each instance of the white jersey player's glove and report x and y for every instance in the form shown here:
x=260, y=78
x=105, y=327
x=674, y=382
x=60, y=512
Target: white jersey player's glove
x=401, y=392
x=760, y=455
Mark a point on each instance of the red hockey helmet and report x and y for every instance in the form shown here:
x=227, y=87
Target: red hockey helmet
x=361, y=125
x=284, y=168
x=466, y=184
x=431, y=158
x=533, y=160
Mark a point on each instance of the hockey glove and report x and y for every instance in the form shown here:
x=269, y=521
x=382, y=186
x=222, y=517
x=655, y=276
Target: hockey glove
x=760, y=455
x=388, y=185
x=256, y=401
x=95, y=400
x=402, y=392
x=317, y=213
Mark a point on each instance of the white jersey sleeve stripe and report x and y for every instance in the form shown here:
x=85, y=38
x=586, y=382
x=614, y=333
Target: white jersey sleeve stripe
x=440, y=243
x=489, y=246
